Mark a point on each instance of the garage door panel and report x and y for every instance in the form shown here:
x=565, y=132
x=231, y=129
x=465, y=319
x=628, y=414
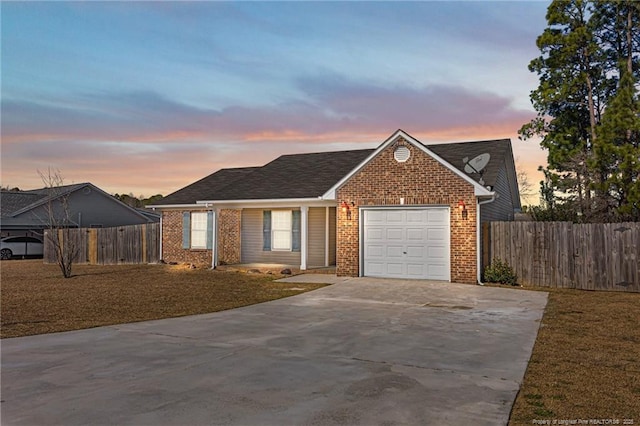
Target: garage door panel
x=375, y=250
x=415, y=251
x=375, y=234
x=437, y=271
x=416, y=270
x=395, y=252
x=395, y=216
x=376, y=268
x=376, y=216
x=415, y=234
x=415, y=216
x=396, y=269
x=407, y=243
x=395, y=234
x=437, y=234
x=440, y=216
x=437, y=252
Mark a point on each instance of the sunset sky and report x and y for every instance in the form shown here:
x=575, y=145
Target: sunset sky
x=147, y=97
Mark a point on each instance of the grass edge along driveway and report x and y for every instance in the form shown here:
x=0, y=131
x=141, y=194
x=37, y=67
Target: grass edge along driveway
x=585, y=364
x=35, y=299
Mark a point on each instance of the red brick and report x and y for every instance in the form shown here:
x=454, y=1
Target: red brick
x=421, y=181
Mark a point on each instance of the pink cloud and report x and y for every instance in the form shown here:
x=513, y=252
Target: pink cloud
x=143, y=142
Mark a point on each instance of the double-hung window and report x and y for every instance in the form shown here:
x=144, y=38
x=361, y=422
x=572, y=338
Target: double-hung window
x=199, y=230
x=281, y=230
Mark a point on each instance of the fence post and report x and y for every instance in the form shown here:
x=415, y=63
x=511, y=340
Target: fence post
x=93, y=246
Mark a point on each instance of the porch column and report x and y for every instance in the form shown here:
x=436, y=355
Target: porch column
x=326, y=236
x=214, y=239
x=304, y=234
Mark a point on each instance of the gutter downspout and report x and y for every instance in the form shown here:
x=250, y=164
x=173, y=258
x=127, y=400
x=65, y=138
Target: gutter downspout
x=478, y=242
x=160, y=259
x=214, y=236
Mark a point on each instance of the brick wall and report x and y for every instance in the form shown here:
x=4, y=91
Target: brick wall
x=229, y=222
x=420, y=180
x=228, y=239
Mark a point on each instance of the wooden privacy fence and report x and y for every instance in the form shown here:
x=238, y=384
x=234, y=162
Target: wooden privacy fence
x=598, y=256
x=109, y=246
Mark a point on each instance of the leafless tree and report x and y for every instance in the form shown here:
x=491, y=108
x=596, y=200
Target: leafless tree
x=527, y=193
x=59, y=236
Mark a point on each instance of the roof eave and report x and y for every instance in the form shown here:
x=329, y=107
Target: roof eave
x=479, y=190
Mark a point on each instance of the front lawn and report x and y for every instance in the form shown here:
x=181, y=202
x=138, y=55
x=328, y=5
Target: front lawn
x=585, y=365
x=35, y=299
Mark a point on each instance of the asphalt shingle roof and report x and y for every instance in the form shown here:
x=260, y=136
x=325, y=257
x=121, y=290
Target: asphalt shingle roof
x=294, y=176
x=207, y=187
x=455, y=153
x=311, y=175
x=13, y=201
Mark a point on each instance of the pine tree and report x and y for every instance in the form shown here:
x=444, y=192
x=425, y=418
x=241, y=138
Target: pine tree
x=588, y=107
x=617, y=152
x=568, y=99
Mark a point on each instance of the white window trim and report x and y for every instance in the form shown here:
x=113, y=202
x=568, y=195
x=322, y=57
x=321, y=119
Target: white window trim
x=201, y=231
x=288, y=230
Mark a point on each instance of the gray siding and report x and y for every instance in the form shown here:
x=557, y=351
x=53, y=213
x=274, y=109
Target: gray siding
x=90, y=207
x=317, y=224
x=252, y=240
x=251, y=236
x=502, y=207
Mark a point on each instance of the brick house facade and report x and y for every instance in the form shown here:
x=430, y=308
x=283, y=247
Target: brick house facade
x=228, y=244
x=329, y=196
x=420, y=181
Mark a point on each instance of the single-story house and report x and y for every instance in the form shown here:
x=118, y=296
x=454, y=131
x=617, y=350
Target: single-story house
x=26, y=213
x=401, y=210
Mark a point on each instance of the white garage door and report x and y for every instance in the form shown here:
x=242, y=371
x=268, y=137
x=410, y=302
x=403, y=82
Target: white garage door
x=407, y=243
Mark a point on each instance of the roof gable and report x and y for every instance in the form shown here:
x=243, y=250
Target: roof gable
x=19, y=202
x=479, y=189
x=13, y=203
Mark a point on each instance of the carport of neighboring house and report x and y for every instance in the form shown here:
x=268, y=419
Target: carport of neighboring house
x=402, y=210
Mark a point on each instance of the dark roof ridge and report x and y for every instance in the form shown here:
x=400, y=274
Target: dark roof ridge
x=327, y=152
x=467, y=142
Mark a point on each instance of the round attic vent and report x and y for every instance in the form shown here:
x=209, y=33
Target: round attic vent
x=401, y=154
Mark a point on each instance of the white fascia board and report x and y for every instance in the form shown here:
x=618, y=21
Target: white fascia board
x=175, y=206
x=269, y=203
x=479, y=190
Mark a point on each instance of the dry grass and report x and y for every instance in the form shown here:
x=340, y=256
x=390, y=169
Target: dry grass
x=586, y=361
x=35, y=299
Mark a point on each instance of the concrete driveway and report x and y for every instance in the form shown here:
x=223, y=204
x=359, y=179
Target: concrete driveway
x=363, y=351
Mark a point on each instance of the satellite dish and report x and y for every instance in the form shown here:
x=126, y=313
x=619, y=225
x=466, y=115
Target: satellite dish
x=476, y=164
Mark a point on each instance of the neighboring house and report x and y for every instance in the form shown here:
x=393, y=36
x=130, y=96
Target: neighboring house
x=402, y=210
x=26, y=212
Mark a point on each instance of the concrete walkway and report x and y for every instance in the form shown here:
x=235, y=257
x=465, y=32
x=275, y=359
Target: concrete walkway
x=362, y=351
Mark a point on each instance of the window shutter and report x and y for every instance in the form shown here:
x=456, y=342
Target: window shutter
x=209, y=230
x=295, y=230
x=186, y=230
x=266, y=230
